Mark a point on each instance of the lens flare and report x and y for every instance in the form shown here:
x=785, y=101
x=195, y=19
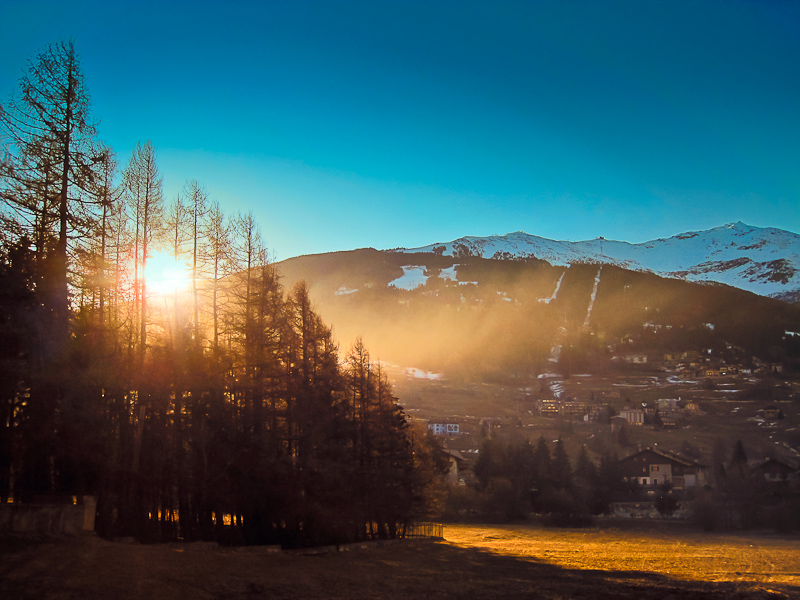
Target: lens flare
x=165, y=275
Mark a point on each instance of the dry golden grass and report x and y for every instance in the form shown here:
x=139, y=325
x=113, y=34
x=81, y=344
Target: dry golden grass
x=680, y=554
x=484, y=562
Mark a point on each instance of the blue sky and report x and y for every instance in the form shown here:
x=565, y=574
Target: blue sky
x=402, y=123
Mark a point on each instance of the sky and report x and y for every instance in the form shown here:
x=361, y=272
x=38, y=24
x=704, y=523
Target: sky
x=382, y=123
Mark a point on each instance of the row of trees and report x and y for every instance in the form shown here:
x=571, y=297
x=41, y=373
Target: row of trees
x=197, y=401
x=514, y=478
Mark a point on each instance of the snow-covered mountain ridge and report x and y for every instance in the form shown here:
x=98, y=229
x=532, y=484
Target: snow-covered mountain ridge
x=763, y=260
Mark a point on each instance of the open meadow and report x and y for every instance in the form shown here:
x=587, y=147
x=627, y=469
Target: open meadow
x=487, y=562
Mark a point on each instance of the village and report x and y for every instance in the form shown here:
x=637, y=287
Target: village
x=671, y=422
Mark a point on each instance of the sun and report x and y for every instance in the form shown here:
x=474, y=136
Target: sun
x=165, y=275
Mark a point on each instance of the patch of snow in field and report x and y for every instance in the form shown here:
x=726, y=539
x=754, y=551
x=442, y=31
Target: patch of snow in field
x=412, y=278
x=555, y=353
x=449, y=274
x=420, y=374
x=677, y=380
x=344, y=291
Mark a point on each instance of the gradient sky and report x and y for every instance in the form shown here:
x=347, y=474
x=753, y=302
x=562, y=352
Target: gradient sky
x=402, y=123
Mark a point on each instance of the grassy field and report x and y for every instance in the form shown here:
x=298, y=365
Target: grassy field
x=486, y=562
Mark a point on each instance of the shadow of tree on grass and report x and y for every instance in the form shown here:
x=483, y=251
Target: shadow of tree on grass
x=91, y=568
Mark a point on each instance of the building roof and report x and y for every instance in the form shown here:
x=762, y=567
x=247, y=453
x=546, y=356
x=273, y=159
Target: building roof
x=686, y=462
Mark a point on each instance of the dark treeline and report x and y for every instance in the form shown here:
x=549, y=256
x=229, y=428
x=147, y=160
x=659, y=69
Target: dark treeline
x=514, y=478
x=151, y=356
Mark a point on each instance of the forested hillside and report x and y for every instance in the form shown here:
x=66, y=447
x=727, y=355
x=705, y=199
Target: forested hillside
x=486, y=317
x=151, y=356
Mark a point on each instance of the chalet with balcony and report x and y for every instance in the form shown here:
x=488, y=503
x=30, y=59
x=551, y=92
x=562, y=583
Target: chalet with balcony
x=777, y=471
x=654, y=467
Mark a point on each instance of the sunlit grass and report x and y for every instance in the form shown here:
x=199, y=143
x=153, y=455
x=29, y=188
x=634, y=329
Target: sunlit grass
x=681, y=554
x=489, y=562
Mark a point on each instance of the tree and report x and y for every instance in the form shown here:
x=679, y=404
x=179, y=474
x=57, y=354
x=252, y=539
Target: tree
x=51, y=162
x=267, y=427
x=542, y=469
x=585, y=469
x=561, y=468
x=197, y=200
x=50, y=167
x=218, y=255
x=142, y=184
x=739, y=458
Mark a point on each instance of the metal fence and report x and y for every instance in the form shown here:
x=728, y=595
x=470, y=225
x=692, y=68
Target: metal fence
x=424, y=530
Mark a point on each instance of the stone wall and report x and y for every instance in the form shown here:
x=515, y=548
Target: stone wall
x=49, y=519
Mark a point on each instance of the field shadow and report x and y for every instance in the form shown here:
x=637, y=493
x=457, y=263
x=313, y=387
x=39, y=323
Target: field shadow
x=458, y=572
x=91, y=569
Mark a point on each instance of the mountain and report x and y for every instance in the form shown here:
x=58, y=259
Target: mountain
x=765, y=261
x=493, y=318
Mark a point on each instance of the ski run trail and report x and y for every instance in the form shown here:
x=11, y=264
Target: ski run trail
x=591, y=301
x=555, y=292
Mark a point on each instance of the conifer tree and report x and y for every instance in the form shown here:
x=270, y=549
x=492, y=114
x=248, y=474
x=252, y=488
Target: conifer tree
x=51, y=161
x=542, y=468
x=561, y=468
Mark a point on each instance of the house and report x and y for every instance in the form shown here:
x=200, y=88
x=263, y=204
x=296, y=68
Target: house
x=575, y=409
x=634, y=416
x=654, y=467
x=669, y=420
x=668, y=403
x=692, y=408
x=776, y=471
x=635, y=359
x=597, y=413
x=549, y=408
x=772, y=413
x=455, y=466
x=444, y=428
x=617, y=423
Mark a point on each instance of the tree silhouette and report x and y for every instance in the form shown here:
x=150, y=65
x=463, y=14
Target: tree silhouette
x=218, y=412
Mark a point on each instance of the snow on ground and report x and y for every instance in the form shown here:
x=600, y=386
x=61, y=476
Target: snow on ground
x=420, y=374
x=555, y=353
x=412, y=278
x=449, y=274
x=735, y=254
x=345, y=291
x=555, y=292
x=593, y=297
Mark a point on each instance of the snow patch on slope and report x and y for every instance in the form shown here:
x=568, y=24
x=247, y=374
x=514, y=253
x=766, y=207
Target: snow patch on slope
x=592, y=298
x=555, y=292
x=765, y=261
x=415, y=373
x=412, y=278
